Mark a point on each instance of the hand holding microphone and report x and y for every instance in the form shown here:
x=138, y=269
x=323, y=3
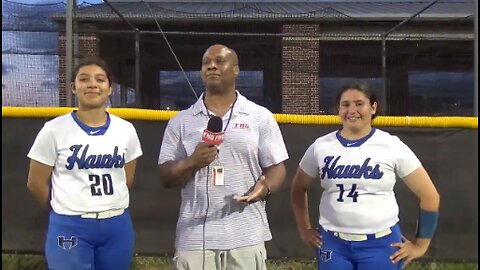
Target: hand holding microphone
x=206, y=151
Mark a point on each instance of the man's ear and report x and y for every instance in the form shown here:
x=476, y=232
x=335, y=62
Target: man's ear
x=72, y=86
x=236, y=70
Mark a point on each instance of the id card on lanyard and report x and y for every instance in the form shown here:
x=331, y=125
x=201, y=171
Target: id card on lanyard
x=218, y=172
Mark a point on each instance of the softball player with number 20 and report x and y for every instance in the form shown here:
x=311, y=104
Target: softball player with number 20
x=82, y=166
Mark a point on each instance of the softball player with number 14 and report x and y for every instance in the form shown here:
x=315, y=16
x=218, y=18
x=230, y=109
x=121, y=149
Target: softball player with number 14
x=357, y=166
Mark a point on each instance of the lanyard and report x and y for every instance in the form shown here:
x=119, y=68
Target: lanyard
x=231, y=110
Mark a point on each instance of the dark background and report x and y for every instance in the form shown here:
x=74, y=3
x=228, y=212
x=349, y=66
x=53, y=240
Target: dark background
x=449, y=155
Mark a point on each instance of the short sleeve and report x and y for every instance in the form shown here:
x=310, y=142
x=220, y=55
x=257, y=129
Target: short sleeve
x=44, y=148
x=272, y=149
x=309, y=162
x=405, y=160
x=134, y=148
x=172, y=148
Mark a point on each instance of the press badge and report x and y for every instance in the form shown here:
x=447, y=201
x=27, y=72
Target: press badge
x=217, y=175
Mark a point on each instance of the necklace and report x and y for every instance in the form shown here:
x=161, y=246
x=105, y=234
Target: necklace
x=231, y=110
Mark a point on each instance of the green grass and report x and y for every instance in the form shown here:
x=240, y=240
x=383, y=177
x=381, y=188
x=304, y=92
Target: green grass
x=37, y=262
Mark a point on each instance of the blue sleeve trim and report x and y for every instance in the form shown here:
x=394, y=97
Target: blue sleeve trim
x=426, y=224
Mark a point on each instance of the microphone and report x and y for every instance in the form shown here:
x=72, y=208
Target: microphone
x=213, y=135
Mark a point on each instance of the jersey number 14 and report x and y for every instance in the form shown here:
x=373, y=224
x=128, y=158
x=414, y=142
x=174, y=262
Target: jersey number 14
x=352, y=194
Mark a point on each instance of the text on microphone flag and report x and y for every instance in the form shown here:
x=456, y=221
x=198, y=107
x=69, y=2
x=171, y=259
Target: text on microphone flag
x=213, y=138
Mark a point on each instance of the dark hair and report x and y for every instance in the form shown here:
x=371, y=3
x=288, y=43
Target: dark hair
x=93, y=60
x=363, y=87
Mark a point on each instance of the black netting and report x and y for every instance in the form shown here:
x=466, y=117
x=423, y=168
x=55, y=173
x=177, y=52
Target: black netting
x=30, y=53
x=304, y=46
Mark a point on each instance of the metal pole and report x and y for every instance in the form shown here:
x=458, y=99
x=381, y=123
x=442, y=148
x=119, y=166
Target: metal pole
x=120, y=15
x=68, y=52
x=409, y=18
x=137, y=68
x=475, y=91
x=123, y=96
x=76, y=45
x=384, y=76
x=123, y=90
x=384, y=53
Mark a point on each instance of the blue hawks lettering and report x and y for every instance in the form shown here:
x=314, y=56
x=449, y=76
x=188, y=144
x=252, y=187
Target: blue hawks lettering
x=94, y=161
x=334, y=171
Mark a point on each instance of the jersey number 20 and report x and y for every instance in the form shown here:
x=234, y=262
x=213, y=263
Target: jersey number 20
x=352, y=194
x=106, y=184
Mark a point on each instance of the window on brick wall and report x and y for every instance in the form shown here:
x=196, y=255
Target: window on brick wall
x=176, y=94
x=122, y=96
x=440, y=93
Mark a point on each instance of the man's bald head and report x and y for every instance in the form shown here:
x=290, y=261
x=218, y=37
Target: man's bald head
x=228, y=52
x=220, y=69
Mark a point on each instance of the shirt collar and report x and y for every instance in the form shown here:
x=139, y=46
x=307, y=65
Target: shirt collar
x=198, y=107
x=240, y=105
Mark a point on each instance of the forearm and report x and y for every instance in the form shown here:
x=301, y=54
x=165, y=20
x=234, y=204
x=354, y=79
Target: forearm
x=427, y=220
x=430, y=203
x=130, y=172
x=299, y=200
x=420, y=183
x=41, y=192
x=38, y=182
x=177, y=173
x=275, y=176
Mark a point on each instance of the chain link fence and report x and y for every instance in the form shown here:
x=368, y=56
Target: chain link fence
x=428, y=71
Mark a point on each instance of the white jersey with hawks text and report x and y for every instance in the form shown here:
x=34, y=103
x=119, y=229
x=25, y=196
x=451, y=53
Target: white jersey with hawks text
x=88, y=163
x=358, y=178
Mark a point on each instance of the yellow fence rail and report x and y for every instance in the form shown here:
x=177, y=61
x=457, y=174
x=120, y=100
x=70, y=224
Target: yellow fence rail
x=162, y=115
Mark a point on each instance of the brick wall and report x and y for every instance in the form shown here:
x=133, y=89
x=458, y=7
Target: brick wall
x=88, y=45
x=300, y=62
